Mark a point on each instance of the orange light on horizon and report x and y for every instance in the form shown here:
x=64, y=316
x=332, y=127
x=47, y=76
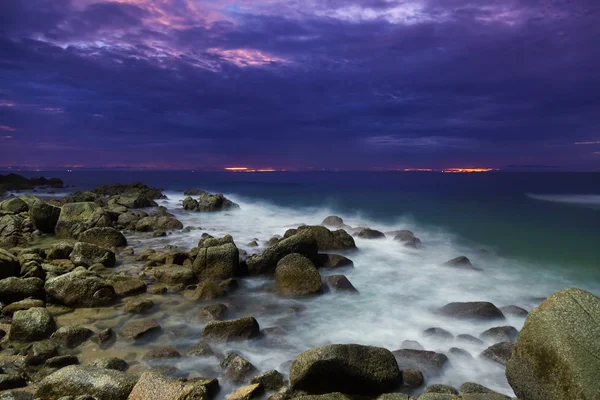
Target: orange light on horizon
x=246, y=169
x=468, y=170
x=236, y=169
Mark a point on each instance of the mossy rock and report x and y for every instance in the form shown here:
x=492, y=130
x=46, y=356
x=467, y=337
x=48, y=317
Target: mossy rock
x=217, y=259
x=76, y=218
x=266, y=261
x=329, y=240
x=296, y=275
x=227, y=331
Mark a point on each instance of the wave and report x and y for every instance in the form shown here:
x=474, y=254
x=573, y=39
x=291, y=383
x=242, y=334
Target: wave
x=574, y=199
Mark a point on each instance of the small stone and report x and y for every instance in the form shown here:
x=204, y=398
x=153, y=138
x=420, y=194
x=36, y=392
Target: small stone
x=161, y=353
x=270, y=380
x=514, y=311
x=115, y=363
x=71, y=336
x=213, y=311
x=499, y=352
x=438, y=334
x=138, y=306
x=412, y=378
x=455, y=351
x=62, y=361
x=443, y=389
x=339, y=283
x=104, y=339
x=238, y=329
x=470, y=339
x=140, y=329
x=200, y=349
x=500, y=334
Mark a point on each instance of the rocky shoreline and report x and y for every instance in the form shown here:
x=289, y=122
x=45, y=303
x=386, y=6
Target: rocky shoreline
x=81, y=297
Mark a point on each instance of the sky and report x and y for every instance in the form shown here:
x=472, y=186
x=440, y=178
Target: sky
x=300, y=84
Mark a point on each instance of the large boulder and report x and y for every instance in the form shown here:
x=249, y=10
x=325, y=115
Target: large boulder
x=80, y=288
x=44, y=216
x=368, y=233
x=557, y=354
x=11, y=234
x=104, y=237
x=174, y=274
x=158, y=223
x=329, y=240
x=32, y=325
x=208, y=202
x=87, y=254
x=476, y=310
x=430, y=363
x=76, y=218
x=130, y=189
x=9, y=265
x=75, y=380
x=346, y=368
x=15, y=289
x=153, y=385
x=266, y=261
x=129, y=219
x=227, y=331
x=333, y=220
x=14, y=205
x=133, y=200
x=71, y=336
x=217, y=259
x=296, y=275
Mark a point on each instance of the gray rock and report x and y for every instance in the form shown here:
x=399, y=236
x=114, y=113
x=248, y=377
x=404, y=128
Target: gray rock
x=140, y=329
x=479, y=310
x=270, y=380
x=173, y=275
x=87, y=254
x=138, y=306
x=9, y=265
x=500, y=334
x=101, y=383
x=76, y=218
x=266, y=261
x=328, y=240
x=499, y=352
x=115, y=363
x=430, y=363
x=330, y=261
x=236, y=367
x=333, y=221
x=296, y=275
x=44, y=216
x=59, y=251
x=339, y=283
x=217, y=259
x=71, y=336
x=31, y=325
x=16, y=289
x=80, y=288
x=368, y=233
x=104, y=237
x=514, y=311
x=238, y=329
x=461, y=262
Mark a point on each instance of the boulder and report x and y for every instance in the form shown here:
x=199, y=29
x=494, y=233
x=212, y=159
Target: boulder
x=479, y=310
x=207, y=290
x=500, y=334
x=194, y=192
x=215, y=202
x=15, y=289
x=9, y=265
x=368, y=233
x=461, y=262
x=246, y=392
x=133, y=200
x=200, y=349
x=14, y=205
x=75, y=380
x=470, y=339
x=430, y=363
x=407, y=238
x=140, y=329
x=105, y=338
x=87, y=254
x=152, y=385
x=338, y=283
x=11, y=381
x=76, y=218
x=333, y=220
x=438, y=334
x=71, y=336
x=138, y=306
x=129, y=189
x=556, y=355
x=61, y=361
x=514, y=311
x=44, y=216
x=158, y=223
x=213, y=312
x=129, y=219
x=333, y=261
x=328, y=240
x=59, y=251
x=39, y=352
x=161, y=354
x=499, y=352
x=80, y=288
x=217, y=259
x=296, y=275
x=270, y=380
x=227, y=331
x=412, y=378
x=11, y=234
x=236, y=367
x=266, y=261
x=442, y=389
x=346, y=368
x=126, y=285
x=32, y=325
x=25, y=304
x=115, y=363
x=104, y=237
x=173, y=275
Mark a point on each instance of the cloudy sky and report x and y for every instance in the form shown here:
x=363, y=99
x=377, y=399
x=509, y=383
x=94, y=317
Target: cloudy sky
x=295, y=84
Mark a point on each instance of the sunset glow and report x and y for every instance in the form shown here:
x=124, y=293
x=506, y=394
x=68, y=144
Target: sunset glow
x=246, y=169
x=469, y=170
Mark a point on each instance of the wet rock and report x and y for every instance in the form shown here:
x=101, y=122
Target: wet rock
x=129, y=219
x=158, y=223
x=76, y=218
x=152, y=385
x=246, y=392
x=138, y=330
x=332, y=261
x=266, y=261
x=160, y=354
x=459, y=353
x=358, y=370
x=411, y=345
x=104, y=339
x=9, y=265
x=475, y=388
x=133, y=200
x=333, y=220
x=270, y=380
x=237, y=329
x=514, y=311
x=194, y=192
x=236, y=367
x=14, y=205
x=129, y=189
x=25, y=304
x=438, y=334
x=208, y=202
x=104, y=237
x=71, y=336
x=62, y=361
x=31, y=325
x=412, y=378
x=138, y=306
x=328, y=396
x=461, y=262
x=328, y=240
x=173, y=275
x=479, y=310
x=500, y=334
x=44, y=216
x=499, y=352
x=11, y=233
x=214, y=312
x=39, y=352
x=556, y=354
x=87, y=254
x=80, y=288
x=469, y=339
x=58, y=251
x=200, y=349
x=430, y=363
x=12, y=381
x=217, y=259
x=115, y=363
x=368, y=233
x=207, y=290
x=296, y=275
x=338, y=283
x=394, y=396
x=16, y=395
x=16, y=289
x=101, y=383
x=126, y=285
x=177, y=257
x=443, y=389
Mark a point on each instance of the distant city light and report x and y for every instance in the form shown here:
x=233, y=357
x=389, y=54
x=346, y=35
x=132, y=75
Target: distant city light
x=468, y=170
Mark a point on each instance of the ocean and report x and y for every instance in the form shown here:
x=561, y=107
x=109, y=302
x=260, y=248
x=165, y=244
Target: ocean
x=530, y=233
